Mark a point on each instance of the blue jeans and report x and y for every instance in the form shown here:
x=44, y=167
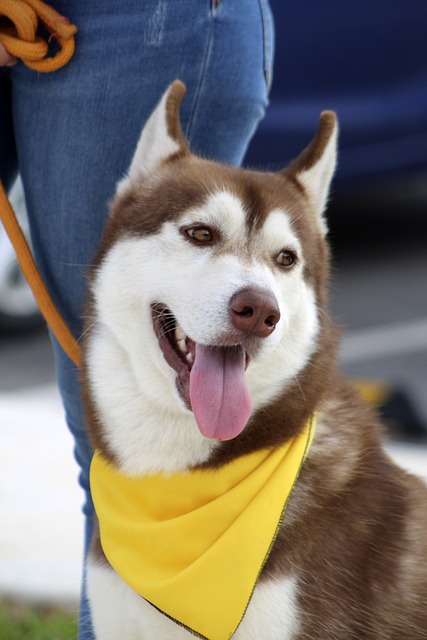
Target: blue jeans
x=75, y=130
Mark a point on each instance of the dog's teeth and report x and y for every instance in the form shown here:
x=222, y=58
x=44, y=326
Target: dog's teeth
x=179, y=334
x=182, y=346
x=189, y=358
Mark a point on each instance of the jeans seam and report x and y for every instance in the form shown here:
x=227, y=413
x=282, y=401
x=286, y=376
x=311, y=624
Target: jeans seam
x=202, y=74
x=268, y=43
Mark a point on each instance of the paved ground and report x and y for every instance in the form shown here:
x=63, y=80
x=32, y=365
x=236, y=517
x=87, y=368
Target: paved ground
x=379, y=296
x=41, y=531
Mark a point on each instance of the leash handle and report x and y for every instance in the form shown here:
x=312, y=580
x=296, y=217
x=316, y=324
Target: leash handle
x=19, y=34
x=35, y=281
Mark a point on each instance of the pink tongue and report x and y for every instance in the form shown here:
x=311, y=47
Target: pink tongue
x=218, y=393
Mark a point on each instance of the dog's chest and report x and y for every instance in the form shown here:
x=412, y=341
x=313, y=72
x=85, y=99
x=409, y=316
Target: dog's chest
x=118, y=611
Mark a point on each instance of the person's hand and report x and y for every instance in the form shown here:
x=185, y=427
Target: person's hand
x=6, y=60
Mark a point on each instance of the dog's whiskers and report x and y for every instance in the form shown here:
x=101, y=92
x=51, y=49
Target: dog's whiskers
x=165, y=321
x=297, y=382
x=89, y=328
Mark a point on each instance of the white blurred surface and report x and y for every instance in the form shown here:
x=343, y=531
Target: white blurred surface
x=41, y=532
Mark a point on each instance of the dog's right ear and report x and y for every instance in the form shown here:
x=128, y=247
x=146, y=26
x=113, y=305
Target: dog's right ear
x=315, y=166
x=161, y=138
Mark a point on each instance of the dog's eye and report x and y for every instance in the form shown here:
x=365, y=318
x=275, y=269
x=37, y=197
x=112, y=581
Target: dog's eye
x=286, y=258
x=199, y=235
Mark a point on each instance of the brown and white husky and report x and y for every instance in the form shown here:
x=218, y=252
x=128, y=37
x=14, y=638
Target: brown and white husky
x=204, y=263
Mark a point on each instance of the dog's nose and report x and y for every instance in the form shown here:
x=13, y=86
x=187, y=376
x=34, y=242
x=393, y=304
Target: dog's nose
x=254, y=312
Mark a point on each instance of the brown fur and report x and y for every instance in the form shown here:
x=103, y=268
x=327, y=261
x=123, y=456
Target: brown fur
x=312, y=154
x=352, y=532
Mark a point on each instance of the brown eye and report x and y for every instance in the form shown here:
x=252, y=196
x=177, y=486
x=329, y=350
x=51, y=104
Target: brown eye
x=286, y=258
x=201, y=235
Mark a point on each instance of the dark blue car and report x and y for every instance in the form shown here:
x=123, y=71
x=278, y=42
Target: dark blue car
x=367, y=60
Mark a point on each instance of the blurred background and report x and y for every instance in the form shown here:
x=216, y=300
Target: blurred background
x=367, y=60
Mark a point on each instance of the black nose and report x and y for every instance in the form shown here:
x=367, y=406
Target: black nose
x=254, y=312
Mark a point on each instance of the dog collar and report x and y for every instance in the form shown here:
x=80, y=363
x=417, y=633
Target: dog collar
x=193, y=544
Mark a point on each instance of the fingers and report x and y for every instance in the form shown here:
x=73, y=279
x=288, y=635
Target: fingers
x=6, y=60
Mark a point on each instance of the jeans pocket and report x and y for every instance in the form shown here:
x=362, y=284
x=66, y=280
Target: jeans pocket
x=268, y=32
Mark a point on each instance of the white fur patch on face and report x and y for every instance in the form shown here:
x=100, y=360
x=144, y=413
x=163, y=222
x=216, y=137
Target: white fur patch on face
x=277, y=233
x=297, y=331
x=222, y=210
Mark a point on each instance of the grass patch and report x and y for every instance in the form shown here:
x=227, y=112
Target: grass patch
x=19, y=621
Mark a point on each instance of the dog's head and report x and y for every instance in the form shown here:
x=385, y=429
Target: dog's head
x=210, y=278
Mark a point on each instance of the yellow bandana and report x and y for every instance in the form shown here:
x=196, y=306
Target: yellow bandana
x=193, y=544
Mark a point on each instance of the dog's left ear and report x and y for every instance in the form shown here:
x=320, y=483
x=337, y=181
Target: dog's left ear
x=161, y=138
x=315, y=166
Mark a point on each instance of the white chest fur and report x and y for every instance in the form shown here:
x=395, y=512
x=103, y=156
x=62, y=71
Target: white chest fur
x=118, y=612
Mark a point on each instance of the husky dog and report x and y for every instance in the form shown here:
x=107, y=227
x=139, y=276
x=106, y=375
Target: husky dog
x=208, y=340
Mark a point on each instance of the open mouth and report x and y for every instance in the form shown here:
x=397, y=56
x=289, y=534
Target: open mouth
x=210, y=379
x=177, y=348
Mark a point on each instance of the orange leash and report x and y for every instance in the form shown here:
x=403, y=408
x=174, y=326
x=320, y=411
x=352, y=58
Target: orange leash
x=34, y=279
x=19, y=21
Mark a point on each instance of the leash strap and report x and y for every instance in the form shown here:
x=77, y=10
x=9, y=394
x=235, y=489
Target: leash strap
x=34, y=279
x=19, y=21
